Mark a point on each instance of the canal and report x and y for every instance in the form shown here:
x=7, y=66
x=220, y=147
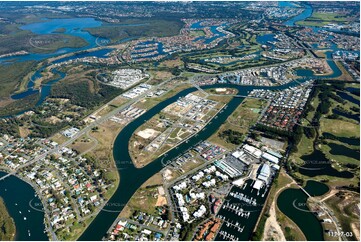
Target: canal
x=131, y=178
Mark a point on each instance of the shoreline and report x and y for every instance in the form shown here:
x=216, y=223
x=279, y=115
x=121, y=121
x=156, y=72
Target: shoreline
x=4, y=211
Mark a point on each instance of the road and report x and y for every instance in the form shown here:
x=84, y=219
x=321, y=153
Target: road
x=86, y=128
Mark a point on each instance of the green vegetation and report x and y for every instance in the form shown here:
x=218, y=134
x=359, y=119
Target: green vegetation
x=320, y=19
x=52, y=42
x=288, y=234
x=13, y=39
x=9, y=126
x=59, y=30
x=312, y=23
x=244, y=117
x=7, y=225
x=137, y=28
x=12, y=75
x=85, y=93
x=335, y=136
x=19, y=105
x=328, y=17
x=232, y=136
x=257, y=235
x=197, y=33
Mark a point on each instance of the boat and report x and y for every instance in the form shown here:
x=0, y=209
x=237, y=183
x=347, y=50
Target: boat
x=29, y=233
x=24, y=218
x=20, y=212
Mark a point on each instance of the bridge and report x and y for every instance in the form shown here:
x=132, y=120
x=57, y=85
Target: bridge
x=7, y=175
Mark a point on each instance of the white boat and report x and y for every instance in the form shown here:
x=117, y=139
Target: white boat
x=24, y=218
x=20, y=212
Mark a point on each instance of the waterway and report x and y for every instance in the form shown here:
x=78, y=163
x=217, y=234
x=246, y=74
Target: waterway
x=317, y=164
x=346, y=140
x=131, y=178
x=355, y=117
x=20, y=201
x=45, y=88
x=305, y=14
x=73, y=26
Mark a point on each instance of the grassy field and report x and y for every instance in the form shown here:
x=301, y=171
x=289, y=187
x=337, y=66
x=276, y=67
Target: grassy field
x=105, y=135
x=145, y=197
x=340, y=127
x=82, y=144
x=319, y=19
x=59, y=138
x=328, y=17
x=343, y=153
x=197, y=33
x=7, y=225
x=240, y=120
x=312, y=23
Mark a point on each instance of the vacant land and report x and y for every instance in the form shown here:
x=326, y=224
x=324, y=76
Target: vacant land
x=145, y=198
x=345, y=207
x=239, y=121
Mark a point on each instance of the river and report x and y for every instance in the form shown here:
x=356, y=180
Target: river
x=131, y=178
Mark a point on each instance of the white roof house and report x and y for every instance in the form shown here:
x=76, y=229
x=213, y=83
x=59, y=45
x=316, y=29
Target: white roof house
x=270, y=158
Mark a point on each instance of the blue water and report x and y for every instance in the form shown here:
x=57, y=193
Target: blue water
x=159, y=49
x=286, y=4
x=102, y=53
x=305, y=14
x=73, y=26
x=45, y=89
x=310, y=75
x=213, y=29
x=264, y=39
x=20, y=196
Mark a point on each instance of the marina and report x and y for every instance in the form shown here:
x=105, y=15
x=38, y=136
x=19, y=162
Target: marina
x=240, y=212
